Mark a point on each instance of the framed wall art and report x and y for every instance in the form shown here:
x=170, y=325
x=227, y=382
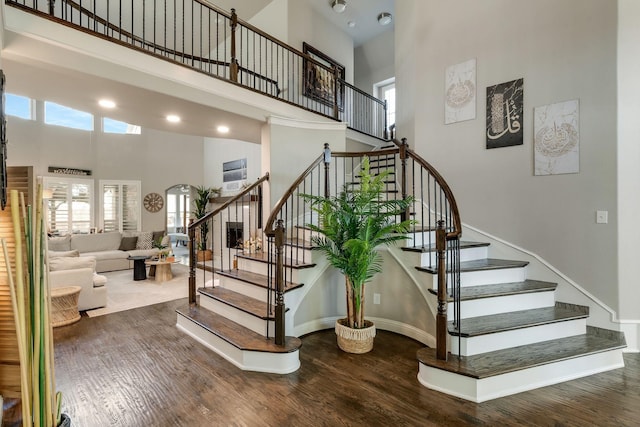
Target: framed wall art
x=556, y=138
x=460, y=92
x=504, y=114
x=319, y=83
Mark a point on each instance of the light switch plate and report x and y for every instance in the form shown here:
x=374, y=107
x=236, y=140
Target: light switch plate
x=602, y=217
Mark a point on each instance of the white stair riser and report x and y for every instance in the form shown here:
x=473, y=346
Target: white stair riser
x=503, y=304
x=481, y=390
x=517, y=337
x=250, y=290
x=295, y=252
x=484, y=277
x=276, y=363
x=417, y=239
x=245, y=319
x=298, y=275
x=466, y=254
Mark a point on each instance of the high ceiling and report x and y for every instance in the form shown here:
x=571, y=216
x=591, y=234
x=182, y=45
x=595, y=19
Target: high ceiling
x=80, y=91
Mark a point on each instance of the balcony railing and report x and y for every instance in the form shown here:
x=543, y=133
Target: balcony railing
x=202, y=37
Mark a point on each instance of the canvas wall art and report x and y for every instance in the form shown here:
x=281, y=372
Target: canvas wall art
x=460, y=92
x=504, y=114
x=556, y=139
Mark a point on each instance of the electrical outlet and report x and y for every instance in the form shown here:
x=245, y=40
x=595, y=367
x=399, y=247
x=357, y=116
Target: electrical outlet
x=376, y=298
x=602, y=217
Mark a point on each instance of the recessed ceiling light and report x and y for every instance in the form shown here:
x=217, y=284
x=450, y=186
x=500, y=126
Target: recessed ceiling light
x=107, y=103
x=384, y=18
x=223, y=129
x=173, y=118
x=339, y=5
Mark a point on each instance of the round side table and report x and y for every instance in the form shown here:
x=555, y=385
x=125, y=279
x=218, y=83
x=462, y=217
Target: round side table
x=64, y=305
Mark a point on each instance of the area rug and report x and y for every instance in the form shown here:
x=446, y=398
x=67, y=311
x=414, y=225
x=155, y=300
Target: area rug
x=123, y=293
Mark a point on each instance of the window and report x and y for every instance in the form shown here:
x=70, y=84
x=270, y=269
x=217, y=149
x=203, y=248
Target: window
x=59, y=115
x=387, y=92
x=120, y=205
x=115, y=126
x=69, y=207
x=19, y=106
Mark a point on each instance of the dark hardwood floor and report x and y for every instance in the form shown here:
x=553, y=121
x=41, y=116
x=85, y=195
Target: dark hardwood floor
x=135, y=368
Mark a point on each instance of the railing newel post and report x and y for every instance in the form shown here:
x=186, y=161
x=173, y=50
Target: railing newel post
x=403, y=180
x=280, y=309
x=327, y=163
x=441, y=316
x=192, y=265
x=234, y=61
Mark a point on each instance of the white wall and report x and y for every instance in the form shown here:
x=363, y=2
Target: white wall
x=220, y=150
x=628, y=156
x=307, y=26
x=292, y=146
x=563, y=50
x=374, y=61
x=158, y=159
x=270, y=19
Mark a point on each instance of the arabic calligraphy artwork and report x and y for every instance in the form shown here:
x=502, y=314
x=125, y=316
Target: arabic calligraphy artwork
x=460, y=92
x=504, y=114
x=556, y=139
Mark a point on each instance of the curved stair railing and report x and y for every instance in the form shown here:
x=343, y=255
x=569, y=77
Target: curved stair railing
x=437, y=227
x=218, y=238
x=198, y=35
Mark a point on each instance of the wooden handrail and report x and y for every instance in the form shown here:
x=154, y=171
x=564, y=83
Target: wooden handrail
x=269, y=226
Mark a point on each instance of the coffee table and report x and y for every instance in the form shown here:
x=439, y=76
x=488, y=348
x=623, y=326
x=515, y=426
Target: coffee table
x=160, y=271
x=139, y=269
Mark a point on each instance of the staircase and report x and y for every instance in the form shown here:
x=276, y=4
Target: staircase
x=513, y=335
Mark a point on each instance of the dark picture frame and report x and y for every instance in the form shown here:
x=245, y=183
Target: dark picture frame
x=505, y=114
x=319, y=81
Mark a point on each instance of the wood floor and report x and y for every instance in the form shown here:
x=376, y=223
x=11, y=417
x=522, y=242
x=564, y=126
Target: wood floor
x=134, y=368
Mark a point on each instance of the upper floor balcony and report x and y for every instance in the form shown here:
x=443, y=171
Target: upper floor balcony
x=216, y=43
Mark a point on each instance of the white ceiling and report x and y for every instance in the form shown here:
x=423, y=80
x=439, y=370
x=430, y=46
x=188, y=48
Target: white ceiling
x=364, y=13
x=147, y=108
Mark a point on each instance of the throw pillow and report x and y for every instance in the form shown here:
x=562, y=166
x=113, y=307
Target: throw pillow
x=158, y=235
x=128, y=243
x=145, y=240
x=58, y=254
x=62, y=243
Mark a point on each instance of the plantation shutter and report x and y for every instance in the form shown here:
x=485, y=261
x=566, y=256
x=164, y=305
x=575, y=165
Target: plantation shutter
x=69, y=207
x=120, y=205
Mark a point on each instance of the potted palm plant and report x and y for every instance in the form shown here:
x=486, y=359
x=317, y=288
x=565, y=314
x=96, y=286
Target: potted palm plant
x=200, y=204
x=350, y=227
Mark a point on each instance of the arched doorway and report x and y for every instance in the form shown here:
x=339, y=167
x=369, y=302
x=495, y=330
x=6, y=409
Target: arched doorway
x=178, y=210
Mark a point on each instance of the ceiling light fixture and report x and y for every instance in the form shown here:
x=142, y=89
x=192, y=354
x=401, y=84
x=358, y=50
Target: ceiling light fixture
x=384, y=18
x=351, y=24
x=107, y=103
x=173, y=118
x=223, y=129
x=339, y=5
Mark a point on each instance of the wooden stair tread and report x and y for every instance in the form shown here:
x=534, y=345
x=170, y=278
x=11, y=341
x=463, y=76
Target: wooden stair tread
x=513, y=359
x=288, y=262
x=468, y=293
x=254, y=278
x=298, y=243
x=235, y=334
x=432, y=247
x=481, y=265
x=237, y=300
x=483, y=325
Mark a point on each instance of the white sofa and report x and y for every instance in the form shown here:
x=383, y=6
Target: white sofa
x=79, y=271
x=109, y=249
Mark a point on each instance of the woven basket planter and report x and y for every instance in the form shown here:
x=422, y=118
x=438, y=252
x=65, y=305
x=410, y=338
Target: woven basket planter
x=355, y=341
